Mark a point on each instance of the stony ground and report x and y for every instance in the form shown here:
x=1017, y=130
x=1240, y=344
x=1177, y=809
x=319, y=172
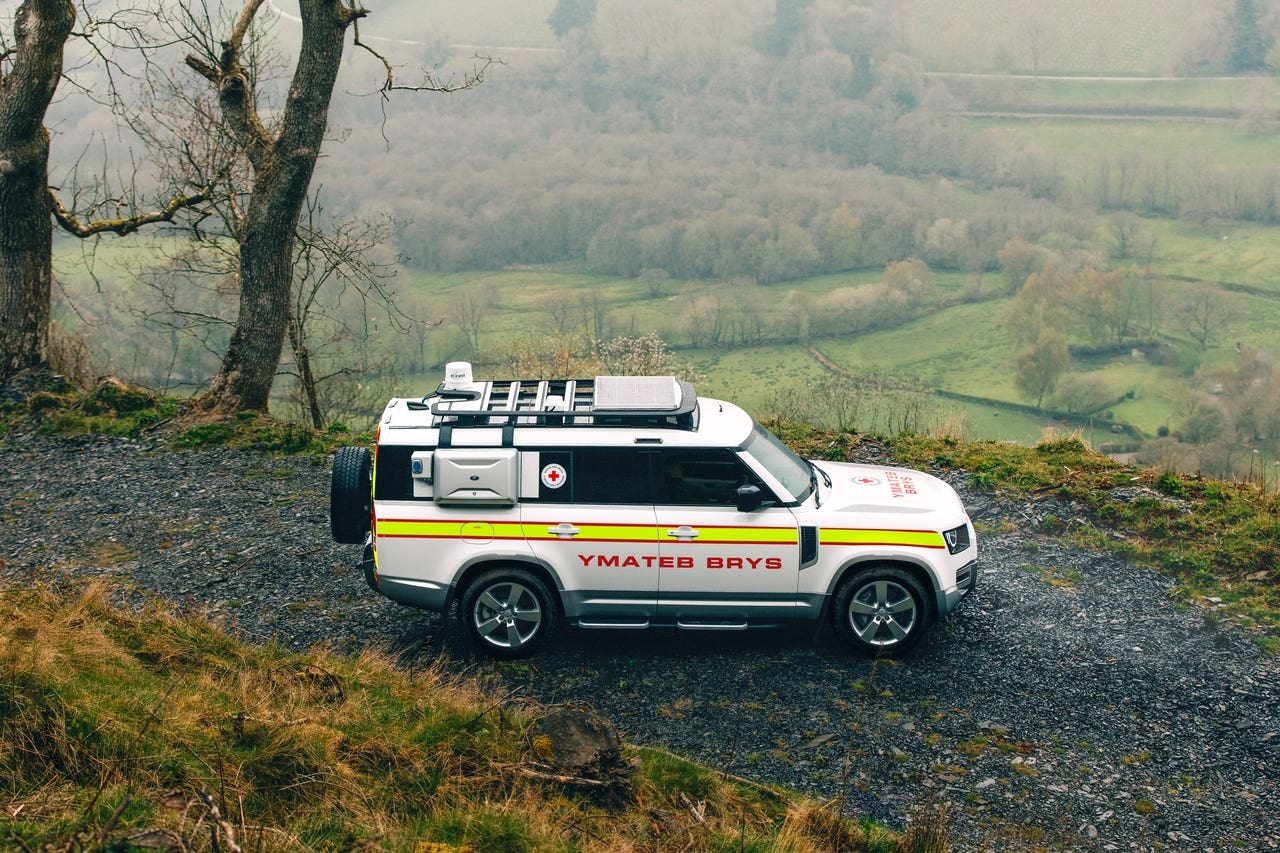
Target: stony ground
x=1066, y=705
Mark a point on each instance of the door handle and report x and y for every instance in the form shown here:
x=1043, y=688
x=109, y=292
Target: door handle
x=564, y=530
x=683, y=532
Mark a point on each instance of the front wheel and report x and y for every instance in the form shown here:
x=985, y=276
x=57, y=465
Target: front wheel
x=508, y=612
x=881, y=611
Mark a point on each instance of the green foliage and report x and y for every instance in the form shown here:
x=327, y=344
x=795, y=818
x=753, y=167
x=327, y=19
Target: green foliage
x=258, y=432
x=1038, y=368
x=118, y=397
x=1249, y=42
x=117, y=409
x=671, y=773
x=112, y=408
x=1171, y=484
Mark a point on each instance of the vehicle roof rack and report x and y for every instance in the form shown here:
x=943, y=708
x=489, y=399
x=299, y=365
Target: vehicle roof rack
x=627, y=401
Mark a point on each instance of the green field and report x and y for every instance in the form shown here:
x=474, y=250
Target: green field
x=962, y=349
x=1220, y=251
x=1116, y=93
x=1078, y=143
x=1095, y=36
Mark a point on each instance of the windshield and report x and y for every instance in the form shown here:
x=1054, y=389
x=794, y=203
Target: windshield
x=795, y=475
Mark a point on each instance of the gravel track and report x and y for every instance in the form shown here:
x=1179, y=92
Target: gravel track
x=1066, y=705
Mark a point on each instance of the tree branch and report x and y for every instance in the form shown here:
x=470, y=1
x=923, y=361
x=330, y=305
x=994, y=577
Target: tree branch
x=429, y=83
x=234, y=91
x=126, y=225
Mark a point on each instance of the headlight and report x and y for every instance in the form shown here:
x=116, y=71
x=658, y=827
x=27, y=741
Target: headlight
x=957, y=538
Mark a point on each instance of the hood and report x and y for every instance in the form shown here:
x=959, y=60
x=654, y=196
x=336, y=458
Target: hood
x=885, y=489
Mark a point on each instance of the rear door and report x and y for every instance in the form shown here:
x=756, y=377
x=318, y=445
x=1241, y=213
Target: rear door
x=721, y=567
x=593, y=523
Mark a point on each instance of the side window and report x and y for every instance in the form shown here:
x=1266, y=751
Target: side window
x=393, y=480
x=596, y=475
x=701, y=477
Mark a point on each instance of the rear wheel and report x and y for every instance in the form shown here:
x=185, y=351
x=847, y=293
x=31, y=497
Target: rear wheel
x=508, y=612
x=881, y=611
x=351, y=495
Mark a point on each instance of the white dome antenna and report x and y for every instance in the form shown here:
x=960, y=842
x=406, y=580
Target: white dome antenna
x=457, y=376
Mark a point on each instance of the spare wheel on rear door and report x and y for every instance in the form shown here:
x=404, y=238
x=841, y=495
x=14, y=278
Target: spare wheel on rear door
x=351, y=495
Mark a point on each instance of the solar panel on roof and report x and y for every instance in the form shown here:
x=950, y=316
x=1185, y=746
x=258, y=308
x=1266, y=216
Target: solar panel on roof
x=648, y=393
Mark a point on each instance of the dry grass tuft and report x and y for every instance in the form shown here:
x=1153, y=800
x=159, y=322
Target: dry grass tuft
x=157, y=728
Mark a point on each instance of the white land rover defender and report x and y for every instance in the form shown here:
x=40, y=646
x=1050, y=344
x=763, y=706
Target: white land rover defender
x=629, y=502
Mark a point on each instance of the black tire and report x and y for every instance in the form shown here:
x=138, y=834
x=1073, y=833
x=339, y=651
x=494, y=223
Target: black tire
x=508, y=612
x=881, y=610
x=351, y=495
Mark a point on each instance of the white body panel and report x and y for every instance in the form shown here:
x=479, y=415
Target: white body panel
x=734, y=566
x=606, y=558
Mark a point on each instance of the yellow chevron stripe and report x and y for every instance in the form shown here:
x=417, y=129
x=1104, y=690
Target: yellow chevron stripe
x=743, y=535
x=450, y=529
x=478, y=529
x=596, y=532
x=914, y=538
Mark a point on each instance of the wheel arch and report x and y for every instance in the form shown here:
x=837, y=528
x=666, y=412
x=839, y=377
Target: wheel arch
x=918, y=569
x=480, y=565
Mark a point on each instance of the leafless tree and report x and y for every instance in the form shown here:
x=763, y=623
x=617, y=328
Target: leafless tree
x=333, y=266
x=563, y=311
x=31, y=68
x=1035, y=29
x=468, y=310
x=281, y=148
x=1203, y=315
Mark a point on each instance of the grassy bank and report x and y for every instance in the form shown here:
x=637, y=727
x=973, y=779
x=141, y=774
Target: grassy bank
x=152, y=731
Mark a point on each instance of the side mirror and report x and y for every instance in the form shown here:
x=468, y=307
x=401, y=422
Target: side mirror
x=748, y=498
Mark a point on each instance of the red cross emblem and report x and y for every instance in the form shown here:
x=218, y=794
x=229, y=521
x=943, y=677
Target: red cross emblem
x=553, y=476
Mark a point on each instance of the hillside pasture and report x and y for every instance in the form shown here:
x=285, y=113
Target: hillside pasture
x=1229, y=252
x=1094, y=36
x=1078, y=143
x=1134, y=96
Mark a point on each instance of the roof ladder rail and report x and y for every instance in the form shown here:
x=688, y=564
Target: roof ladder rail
x=499, y=399
x=540, y=402
x=531, y=394
x=583, y=396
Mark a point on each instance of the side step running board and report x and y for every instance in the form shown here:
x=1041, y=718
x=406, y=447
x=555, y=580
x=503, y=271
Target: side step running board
x=600, y=623
x=711, y=625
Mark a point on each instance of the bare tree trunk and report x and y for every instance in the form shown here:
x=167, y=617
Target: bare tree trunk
x=282, y=164
x=41, y=29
